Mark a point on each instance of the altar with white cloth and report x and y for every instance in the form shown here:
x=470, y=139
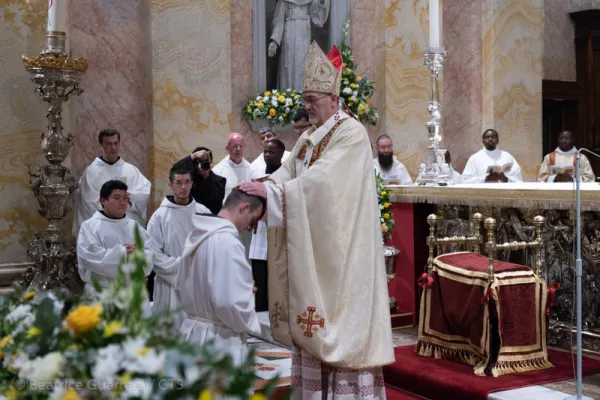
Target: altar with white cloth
x=513, y=205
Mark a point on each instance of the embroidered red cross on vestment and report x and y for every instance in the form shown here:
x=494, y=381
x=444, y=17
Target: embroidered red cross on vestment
x=310, y=321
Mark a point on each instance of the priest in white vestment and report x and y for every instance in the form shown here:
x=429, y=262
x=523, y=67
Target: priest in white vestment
x=456, y=176
x=236, y=170
x=104, y=168
x=273, y=156
x=214, y=283
x=266, y=134
x=564, y=159
x=292, y=34
x=491, y=164
x=386, y=164
x=328, y=296
x=108, y=238
x=169, y=226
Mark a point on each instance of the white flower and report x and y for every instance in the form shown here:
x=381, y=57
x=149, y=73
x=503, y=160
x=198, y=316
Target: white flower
x=289, y=89
x=354, y=94
x=58, y=392
x=43, y=370
x=275, y=92
x=347, y=90
x=21, y=314
x=108, y=363
x=138, y=389
x=17, y=362
x=382, y=220
x=58, y=304
x=265, y=99
x=258, y=98
x=381, y=206
x=281, y=118
x=147, y=361
x=287, y=109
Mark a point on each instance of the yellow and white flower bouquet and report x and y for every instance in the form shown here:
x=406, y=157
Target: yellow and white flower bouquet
x=277, y=107
x=54, y=345
x=386, y=217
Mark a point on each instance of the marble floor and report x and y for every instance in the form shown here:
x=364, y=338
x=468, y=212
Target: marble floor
x=274, y=360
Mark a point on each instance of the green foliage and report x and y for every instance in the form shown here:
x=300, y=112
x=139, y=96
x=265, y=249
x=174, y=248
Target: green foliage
x=108, y=345
x=277, y=107
x=386, y=217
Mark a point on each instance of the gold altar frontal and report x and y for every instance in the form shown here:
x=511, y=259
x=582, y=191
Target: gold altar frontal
x=514, y=206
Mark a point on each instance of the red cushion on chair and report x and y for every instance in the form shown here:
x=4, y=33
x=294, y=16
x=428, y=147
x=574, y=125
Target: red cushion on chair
x=477, y=262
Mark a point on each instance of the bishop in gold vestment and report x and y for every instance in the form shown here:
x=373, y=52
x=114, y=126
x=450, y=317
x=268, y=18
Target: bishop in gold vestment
x=328, y=295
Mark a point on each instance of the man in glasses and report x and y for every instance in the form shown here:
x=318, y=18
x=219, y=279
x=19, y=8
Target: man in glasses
x=301, y=122
x=328, y=296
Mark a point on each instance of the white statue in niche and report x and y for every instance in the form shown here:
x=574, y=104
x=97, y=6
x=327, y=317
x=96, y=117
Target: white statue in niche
x=292, y=35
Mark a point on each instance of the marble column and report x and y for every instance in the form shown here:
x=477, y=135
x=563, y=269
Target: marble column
x=114, y=36
x=191, y=81
x=21, y=32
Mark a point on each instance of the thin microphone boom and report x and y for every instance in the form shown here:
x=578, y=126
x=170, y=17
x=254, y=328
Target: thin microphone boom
x=578, y=269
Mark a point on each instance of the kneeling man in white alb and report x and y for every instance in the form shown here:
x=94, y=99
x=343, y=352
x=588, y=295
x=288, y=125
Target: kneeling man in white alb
x=214, y=283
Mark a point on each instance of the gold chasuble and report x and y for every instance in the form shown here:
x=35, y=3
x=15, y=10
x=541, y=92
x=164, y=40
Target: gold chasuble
x=327, y=285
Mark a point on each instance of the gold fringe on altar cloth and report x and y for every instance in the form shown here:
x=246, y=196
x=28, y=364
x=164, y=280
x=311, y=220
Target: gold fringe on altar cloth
x=424, y=348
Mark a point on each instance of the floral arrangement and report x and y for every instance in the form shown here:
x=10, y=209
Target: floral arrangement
x=386, y=216
x=57, y=346
x=276, y=107
x=356, y=90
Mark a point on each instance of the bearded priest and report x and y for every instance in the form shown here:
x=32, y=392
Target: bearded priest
x=328, y=296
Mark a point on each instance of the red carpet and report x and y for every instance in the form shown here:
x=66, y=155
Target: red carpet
x=283, y=392
x=441, y=379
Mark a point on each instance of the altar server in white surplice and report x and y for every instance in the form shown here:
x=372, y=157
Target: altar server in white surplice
x=565, y=158
x=328, y=296
x=104, y=168
x=236, y=170
x=169, y=226
x=266, y=134
x=108, y=237
x=456, y=176
x=491, y=164
x=387, y=165
x=273, y=154
x=215, y=280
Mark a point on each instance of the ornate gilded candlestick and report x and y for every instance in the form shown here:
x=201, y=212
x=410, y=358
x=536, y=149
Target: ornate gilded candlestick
x=56, y=77
x=435, y=171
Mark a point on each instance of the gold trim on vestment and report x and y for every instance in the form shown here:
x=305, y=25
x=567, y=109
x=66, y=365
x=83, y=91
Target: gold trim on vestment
x=482, y=197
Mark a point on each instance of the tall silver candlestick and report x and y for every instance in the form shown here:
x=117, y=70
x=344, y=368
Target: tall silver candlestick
x=56, y=77
x=435, y=171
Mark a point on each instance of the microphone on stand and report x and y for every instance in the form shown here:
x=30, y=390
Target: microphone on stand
x=578, y=272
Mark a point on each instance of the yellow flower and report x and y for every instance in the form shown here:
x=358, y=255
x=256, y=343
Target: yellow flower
x=5, y=340
x=368, y=101
x=272, y=112
x=348, y=70
x=12, y=394
x=84, y=318
x=285, y=115
x=125, y=378
x=363, y=109
x=386, y=215
x=29, y=295
x=70, y=394
x=258, y=396
x=112, y=328
x=281, y=99
x=33, y=331
x=267, y=93
x=383, y=193
x=353, y=85
x=350, y=104
x=296, y=107
x=205, y=395
x=384, y=228
x=358, y=79
x=143, y=351
x=344, y=65
x=260, y=105
x=294, y=91
x=386, y=205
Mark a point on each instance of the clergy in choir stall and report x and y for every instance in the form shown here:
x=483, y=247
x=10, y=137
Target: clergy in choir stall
x=266, y=134
x=301, y=122
x=169, y=226
x=491, y=164
x=273, y=156
x=208, y=188
x=214, y=283
x=392, y=171
x=328, y=296
x=104, y=168
x=109, y=236
x=559, y=166
x=456, y=176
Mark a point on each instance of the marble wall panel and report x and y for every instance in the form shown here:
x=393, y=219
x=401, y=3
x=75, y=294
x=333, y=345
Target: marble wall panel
x=114, y=36
x=21, y=32
x=512, y=78
x=191, y=81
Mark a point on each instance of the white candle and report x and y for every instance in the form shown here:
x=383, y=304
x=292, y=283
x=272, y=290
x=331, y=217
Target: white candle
x=58, y=11
x=434, y=23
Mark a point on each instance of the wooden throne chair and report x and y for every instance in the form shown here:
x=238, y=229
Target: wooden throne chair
x=480, y=311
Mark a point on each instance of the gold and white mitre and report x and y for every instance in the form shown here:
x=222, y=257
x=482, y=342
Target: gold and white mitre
x=322, y=73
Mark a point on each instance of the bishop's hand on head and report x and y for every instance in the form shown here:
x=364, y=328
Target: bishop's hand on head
x=254, y=189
